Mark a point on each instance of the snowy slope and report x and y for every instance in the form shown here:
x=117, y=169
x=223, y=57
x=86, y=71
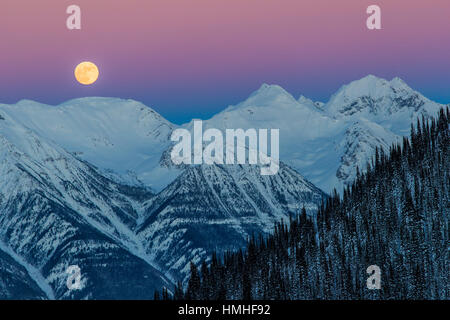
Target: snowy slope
x=360, y=141
x=57, y=211
x=217, y=207
x=123, y=137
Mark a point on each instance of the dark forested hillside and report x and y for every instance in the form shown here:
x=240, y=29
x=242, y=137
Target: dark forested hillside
x=394, y=216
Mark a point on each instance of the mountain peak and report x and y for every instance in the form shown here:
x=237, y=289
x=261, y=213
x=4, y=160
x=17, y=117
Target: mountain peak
x=270, y=90
x=29, y=102
x=370, y=77
x=398, y=82
x=106, y=104
x=268, y=94
x=102, y=102
x=376, y=96
x=373, y=86
x=273, y=87
x=87, y=103
x=364, y=86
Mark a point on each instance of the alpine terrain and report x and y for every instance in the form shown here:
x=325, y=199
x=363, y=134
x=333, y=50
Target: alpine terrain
x=90, y=183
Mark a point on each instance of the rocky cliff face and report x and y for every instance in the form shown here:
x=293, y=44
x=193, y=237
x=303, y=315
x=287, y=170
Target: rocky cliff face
x=216, y=208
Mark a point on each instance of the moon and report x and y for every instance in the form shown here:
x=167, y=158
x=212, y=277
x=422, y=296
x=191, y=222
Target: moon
x=86, y=73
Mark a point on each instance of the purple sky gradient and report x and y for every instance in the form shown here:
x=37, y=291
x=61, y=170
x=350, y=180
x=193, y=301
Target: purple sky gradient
x=193, y=58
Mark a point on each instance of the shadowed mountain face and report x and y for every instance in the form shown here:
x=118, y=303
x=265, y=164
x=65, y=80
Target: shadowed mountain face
x=15, y=282
x=217, y=208
x=50, y=237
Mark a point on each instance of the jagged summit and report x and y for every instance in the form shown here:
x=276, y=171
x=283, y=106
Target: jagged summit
x=369, y=85
x=374, y=96
x=217, y=207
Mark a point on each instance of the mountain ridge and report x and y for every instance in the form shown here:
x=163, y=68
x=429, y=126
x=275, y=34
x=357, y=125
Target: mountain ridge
x=217, y=207
x=91, y=178
x=305, y=126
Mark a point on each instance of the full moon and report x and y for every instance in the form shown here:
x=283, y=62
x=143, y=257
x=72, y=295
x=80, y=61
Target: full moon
x=86, y=73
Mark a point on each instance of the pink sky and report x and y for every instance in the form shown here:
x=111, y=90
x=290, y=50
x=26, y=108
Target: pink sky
x=193, y=57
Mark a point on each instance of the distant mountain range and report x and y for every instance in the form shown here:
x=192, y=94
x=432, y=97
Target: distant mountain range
x=326, y=142
x=88, y=183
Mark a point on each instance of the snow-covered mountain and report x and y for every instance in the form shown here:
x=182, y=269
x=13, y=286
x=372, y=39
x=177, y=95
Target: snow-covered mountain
x=377, y=98
x=217, y=207
x=326, y=142
x=124, y=138
x=56, y=211
x=306, y=134
x=375, y=112
x=360, y=140
x=90, y=183
x=127, y=140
